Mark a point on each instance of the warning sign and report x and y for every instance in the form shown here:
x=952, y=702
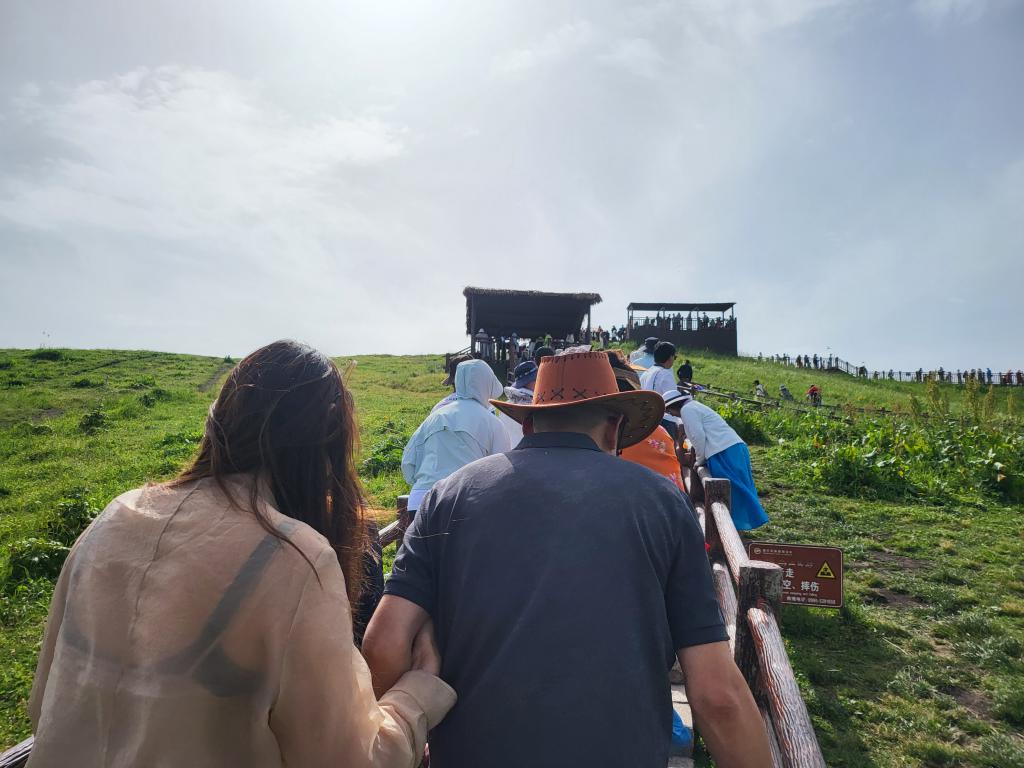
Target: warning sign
x=810, y=575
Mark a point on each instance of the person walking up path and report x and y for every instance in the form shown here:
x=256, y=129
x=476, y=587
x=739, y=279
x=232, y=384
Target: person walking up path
x=562, y=581
x=206, y=620
x=521, y=391
x=717, y=445
x=644, y=356
x=455, y=434
x=659, y=377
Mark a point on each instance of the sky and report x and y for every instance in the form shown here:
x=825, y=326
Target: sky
x=206, y=177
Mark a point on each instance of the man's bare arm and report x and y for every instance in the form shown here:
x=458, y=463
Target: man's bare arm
x=723, y=707
x=389, y=638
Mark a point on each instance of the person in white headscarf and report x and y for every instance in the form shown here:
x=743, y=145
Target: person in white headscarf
x=455, y=434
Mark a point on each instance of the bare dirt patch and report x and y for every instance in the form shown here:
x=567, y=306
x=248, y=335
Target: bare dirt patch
x=974, y=702
x=890, y=599
x=35, y=418
x=47, y=413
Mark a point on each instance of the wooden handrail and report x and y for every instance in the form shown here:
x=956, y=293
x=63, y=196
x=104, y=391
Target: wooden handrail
x=760, y=583
x=773, y=743
x=17, y=756
x=797, y=742
x=394, y=531
x=726, y=594
x=733, y=551
x=748, y=592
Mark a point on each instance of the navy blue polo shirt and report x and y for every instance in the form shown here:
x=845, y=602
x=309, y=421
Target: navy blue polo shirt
x=561, y=581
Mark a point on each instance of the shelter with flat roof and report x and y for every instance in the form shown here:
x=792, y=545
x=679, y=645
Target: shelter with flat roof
x=709, y=326
x=498, y=319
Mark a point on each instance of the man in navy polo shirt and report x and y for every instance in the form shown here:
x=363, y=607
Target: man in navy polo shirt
x=562, y=583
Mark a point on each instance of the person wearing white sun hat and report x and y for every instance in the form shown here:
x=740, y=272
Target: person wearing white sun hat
x=717, y=446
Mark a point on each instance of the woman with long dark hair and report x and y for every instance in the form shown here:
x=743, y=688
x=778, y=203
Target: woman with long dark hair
x=207, y=621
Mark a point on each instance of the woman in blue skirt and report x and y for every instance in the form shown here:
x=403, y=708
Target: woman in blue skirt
x=723, y=451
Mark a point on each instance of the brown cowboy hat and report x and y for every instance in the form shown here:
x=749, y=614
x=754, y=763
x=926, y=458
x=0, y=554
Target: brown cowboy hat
x=587, y=378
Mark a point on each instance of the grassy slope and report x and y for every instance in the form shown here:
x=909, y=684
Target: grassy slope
x=920, y=668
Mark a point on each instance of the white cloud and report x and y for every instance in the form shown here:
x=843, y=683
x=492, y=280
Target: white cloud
x=183, y=153
x=558, y=44
x=937, y=12
x=637, y=55
x=339, y=175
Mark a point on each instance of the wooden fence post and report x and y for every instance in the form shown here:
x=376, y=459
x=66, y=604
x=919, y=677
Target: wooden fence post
x=403, y=512
x=759, y=583
x=395, y=532
x=716, y=490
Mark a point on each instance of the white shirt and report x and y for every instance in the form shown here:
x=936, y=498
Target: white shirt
x=457, y=433
x=641, y=357
x=707, y=432
x=513, y=427
x=658, y=379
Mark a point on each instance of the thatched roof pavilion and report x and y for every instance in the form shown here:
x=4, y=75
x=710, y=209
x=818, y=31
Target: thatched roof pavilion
x=527, y=314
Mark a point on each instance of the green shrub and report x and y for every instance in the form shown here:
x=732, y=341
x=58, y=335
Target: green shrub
x=178, y=448
x=747, y=423
x=143, y=382
x=228, y=360
x=26, y=428
x=72, y=516
x=155, y=395
x=6, y=363
x=1002, y=751
x=849, y=470
x=92, y=421
x=34, y=558
x=53, y=355
x=936, y=755
x=1010, y=706
x=84, y=383
x=386, y=454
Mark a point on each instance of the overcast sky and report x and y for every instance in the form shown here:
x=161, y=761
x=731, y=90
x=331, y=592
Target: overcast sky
x=206, y=177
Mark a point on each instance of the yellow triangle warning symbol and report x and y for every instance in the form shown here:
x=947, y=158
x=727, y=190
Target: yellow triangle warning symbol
x=825, y=572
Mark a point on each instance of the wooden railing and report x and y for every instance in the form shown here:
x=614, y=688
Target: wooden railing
x=748, y=594
x=17, y=756
x=393, y=532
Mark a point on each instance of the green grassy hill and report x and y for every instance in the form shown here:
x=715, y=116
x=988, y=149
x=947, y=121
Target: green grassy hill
x=922, y=667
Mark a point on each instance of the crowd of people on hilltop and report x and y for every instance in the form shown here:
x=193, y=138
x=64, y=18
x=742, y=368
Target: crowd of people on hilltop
x=961, y=376
x=217, y=618
x=666, y=321
x=814, y=362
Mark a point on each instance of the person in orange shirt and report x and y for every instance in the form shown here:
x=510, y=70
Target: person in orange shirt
x=657, y=451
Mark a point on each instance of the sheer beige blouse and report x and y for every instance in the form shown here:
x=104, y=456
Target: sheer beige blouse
x=182, y=634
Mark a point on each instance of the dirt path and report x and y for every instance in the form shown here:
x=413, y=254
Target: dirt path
x=215, y=377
